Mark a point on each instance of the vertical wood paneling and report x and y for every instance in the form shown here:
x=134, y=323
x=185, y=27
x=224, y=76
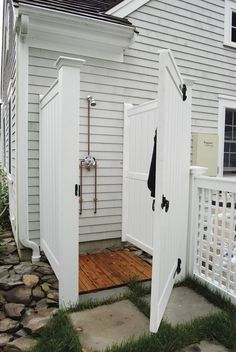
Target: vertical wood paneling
x=49, y=139
x=172, y=184
x=137, y=204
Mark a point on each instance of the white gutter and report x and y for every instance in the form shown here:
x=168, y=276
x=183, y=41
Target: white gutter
x=22, y=137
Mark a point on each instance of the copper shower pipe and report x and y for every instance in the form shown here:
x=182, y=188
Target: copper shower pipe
x=95, y=189
x=88, y=126
x=81, y=188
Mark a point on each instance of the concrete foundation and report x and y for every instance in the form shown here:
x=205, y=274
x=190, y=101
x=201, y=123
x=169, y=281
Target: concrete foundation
x=98, y=246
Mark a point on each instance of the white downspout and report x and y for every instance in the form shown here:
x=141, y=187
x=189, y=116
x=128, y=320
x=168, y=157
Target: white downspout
x=22, y=52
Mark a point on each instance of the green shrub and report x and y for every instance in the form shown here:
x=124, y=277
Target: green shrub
x=4, y=200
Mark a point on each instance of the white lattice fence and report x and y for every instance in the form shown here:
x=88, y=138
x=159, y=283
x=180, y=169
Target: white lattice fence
x=215, y=233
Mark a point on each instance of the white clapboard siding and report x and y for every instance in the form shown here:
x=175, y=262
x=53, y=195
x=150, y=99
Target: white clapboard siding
x=9, y=82
x=194, y=31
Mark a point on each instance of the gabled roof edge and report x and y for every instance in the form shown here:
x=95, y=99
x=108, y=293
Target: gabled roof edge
x=126, y=7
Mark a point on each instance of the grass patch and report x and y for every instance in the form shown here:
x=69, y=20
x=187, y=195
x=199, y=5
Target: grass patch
x=59, y=336
x=136, y=296
x=139, y=288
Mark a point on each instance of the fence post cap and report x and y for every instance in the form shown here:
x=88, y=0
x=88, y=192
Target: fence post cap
x=198, y=170
x=69, y=62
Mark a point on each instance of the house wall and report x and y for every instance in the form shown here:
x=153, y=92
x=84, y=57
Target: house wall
x=195, y=35
x=9, y=84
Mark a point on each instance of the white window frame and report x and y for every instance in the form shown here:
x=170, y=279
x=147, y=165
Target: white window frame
x=225, y=102
x=230, y=6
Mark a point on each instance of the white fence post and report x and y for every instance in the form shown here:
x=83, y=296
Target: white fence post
x=193, y=203
x=68, y=161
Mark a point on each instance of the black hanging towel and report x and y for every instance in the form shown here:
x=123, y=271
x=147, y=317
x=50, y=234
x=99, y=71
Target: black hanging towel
x=152, y=172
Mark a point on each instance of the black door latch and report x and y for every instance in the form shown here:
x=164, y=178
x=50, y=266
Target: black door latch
x=178, y=269
x=77, y=190
x=184, y=91
x=165, y=203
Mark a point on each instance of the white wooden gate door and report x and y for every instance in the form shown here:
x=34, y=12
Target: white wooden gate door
x=172, y=185
x=163, y=232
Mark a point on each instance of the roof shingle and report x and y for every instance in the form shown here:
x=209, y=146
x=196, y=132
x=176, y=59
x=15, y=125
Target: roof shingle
x=88, y=8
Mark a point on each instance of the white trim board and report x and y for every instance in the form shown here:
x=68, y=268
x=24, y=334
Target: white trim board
x=126, y=7
x=63, y=32
x=230, y=6
x=225, y=101
x=22, y=138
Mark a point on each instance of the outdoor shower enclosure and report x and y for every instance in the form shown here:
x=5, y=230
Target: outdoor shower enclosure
x=162, y=233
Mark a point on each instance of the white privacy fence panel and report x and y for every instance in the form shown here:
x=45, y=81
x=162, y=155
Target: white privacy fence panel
x=140, y=125
x=49, y=139
x=59, y=165
x=215, y=233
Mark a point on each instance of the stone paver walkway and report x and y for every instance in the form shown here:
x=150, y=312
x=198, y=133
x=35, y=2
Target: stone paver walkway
x=205, y=346
x=185, y=305
x=105, y=325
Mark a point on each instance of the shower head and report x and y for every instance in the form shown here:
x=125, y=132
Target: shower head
x=91, y=100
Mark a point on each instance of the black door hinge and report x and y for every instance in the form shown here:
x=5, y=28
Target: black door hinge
x=184, y=91
x=77, y=190
x=178, y=269
x=165, y=203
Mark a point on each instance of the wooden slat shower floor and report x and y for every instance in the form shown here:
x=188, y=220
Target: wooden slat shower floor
x=105, y=270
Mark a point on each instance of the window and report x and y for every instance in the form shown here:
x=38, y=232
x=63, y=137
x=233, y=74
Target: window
x=233, y=27
x=230, y=23
x=227, y=135
x=230, y=141
x=9, y=136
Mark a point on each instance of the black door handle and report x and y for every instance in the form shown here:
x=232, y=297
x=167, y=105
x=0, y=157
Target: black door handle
x=165, y=204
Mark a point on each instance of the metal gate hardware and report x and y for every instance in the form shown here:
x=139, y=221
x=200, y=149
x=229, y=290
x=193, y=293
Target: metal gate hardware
x=184, y=91
x=77, y=190
x=153, y=205
x=178, y=269
x=165, y=203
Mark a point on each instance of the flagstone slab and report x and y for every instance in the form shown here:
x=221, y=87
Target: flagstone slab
x=103, y=326
x=185, y=305
x=205, y=346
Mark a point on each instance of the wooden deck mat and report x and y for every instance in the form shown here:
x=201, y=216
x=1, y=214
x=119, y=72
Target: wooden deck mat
x=105, y=270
